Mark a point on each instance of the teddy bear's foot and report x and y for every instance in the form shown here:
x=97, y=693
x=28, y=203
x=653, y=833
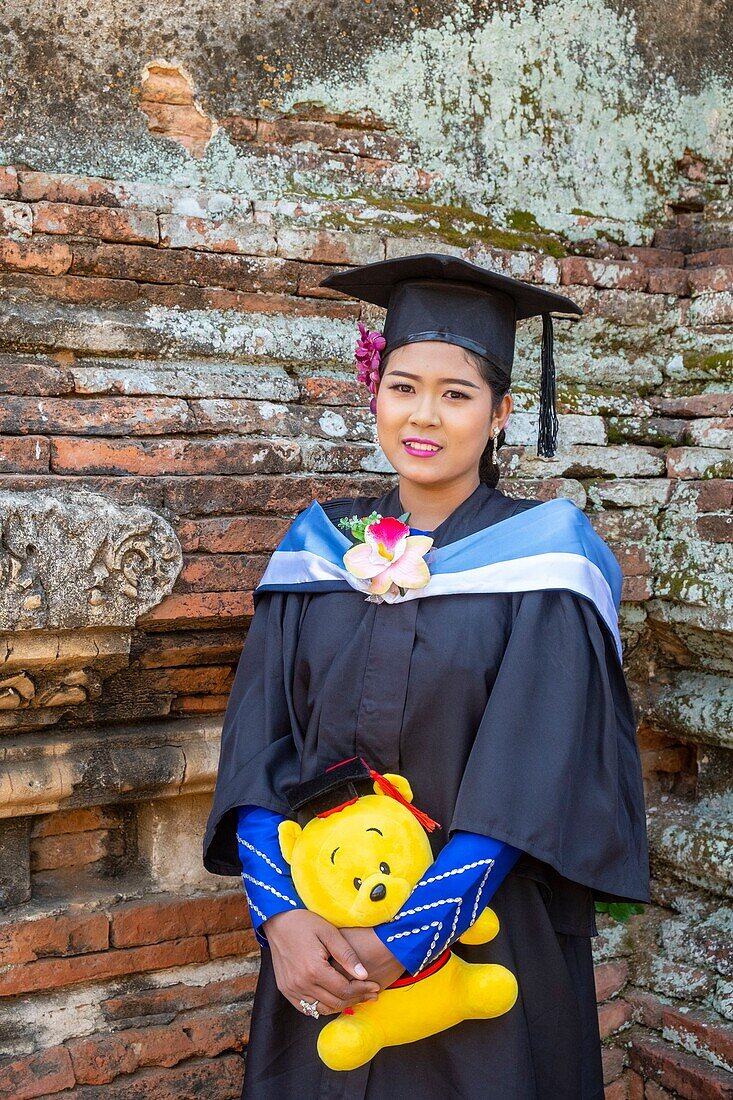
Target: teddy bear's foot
x=347, y=1043
x=488, y=990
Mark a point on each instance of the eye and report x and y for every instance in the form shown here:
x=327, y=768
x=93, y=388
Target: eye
x=400, y=386
x=384, y=868
x=457, y=393
x=357, y=883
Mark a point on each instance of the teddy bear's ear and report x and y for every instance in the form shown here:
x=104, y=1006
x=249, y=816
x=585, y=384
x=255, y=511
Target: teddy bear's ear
x=288, y=832
x=398, y=781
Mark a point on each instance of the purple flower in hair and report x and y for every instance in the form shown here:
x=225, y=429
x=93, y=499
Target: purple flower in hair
x=368, y=347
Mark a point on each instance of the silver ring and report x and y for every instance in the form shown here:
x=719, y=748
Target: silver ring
x=309, y=1007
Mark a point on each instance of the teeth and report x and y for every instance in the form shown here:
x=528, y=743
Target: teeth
x=422, y=446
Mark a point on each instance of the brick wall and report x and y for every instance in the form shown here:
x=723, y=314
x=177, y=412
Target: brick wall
x=167, y=348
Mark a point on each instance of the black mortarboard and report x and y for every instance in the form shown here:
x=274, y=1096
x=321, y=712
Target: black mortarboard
x=340, y=785
x=435, y=297
x=330, y=790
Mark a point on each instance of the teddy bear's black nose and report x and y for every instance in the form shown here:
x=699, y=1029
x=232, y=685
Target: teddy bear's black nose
x=378, y=892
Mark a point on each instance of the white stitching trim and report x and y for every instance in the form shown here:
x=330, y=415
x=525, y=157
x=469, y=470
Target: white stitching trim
x=455, y=871
x=264, y=885
x=412, y=931
x=246, y=844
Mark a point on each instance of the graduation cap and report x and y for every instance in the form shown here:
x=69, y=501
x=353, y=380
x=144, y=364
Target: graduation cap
x=436, y=297
x=341, y=785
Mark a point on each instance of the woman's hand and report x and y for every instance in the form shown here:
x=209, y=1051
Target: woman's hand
x=301, y=943
x=381, y=964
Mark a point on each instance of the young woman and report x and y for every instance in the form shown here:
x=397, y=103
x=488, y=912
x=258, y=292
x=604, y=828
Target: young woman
x=491, y=679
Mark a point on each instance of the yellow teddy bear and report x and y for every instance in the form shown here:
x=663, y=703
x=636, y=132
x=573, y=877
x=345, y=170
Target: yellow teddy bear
x=337, y=862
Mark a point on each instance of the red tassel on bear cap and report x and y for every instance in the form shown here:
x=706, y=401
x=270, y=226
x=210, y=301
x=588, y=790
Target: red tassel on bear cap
x=391, y=790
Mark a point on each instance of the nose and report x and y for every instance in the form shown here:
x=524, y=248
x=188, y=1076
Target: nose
x=425, y=411
x=378, y=892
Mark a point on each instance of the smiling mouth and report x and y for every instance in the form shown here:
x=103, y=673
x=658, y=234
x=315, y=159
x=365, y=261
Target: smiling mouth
x=424, y=448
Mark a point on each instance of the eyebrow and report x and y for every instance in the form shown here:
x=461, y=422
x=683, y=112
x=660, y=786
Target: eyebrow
x=460, y=381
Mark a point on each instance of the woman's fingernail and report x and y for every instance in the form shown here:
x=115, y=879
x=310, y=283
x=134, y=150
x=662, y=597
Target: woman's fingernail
x=360, y=971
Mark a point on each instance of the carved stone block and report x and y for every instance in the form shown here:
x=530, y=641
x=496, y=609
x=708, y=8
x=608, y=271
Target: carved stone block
x=70, y=560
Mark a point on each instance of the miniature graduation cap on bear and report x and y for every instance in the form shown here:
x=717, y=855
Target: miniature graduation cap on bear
x=436, y=297
x=339, y=786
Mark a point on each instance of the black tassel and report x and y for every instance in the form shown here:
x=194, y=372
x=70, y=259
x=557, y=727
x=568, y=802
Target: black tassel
x=547, y=429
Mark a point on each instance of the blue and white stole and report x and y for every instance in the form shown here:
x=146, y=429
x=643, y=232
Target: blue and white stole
x=550, y=546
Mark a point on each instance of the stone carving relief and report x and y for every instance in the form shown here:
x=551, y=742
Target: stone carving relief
x=71, y=560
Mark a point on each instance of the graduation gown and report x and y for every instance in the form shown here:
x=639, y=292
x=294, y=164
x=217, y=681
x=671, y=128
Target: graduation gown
x=509, y=713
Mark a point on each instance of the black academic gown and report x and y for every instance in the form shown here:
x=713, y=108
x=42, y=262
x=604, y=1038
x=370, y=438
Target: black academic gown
x=510, y=716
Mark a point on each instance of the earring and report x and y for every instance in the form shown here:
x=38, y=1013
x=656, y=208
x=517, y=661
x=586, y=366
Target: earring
x=494, y=454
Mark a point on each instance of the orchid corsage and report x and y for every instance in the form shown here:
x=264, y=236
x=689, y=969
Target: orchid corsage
x=387, y=558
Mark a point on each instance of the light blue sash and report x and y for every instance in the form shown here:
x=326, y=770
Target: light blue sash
x=550, y=546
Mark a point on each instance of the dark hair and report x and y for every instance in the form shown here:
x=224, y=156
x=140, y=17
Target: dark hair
x=488, y=471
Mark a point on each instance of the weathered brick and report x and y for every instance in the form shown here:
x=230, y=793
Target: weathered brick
x=669, y=280
x=199, y=704
x=274, y=496
x=217, y=235
x=46, y=974
x=101, y=1058
x=185, y=681
x=700, y=1032
x=614, y=1060
x=172, y=456
x=617, y=1090
x=705, y=279
x=65, y=934
x=183, y=648
x=178, y=998
x=202, y=608
x=685, y=1074
x=610, y=978
x=32, y=375
x=142, y=922
x=605, y=274
x=111, y=416
x=233, y=535
x=334, y=136
x=635, y=1085
x=40, y=186
x=36, y=1075
x=41, y=254
x=715, y=528
x=712, y=432
x=697, y=462
x=24, y=455
x=72, y=850
x=16, y=217
x=76, y=821
x=205, y=1079
x=654, y=257
x=75, y=288
x=8, y=181
x=614, y=1015
x=233, y=943
x=330, y=390
x=695, y=404
x=160, y=265
x=107, y=223
x=220, y=572
x=328, y=246
x=711, y=309
x=716, y=257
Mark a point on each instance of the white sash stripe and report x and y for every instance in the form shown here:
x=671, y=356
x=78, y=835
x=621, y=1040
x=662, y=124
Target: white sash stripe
x=536, y=571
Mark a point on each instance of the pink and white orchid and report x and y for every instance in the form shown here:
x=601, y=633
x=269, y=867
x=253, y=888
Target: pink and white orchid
x=390, y=557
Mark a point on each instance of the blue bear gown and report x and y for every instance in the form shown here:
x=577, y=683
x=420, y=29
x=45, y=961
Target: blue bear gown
x=510, y=715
